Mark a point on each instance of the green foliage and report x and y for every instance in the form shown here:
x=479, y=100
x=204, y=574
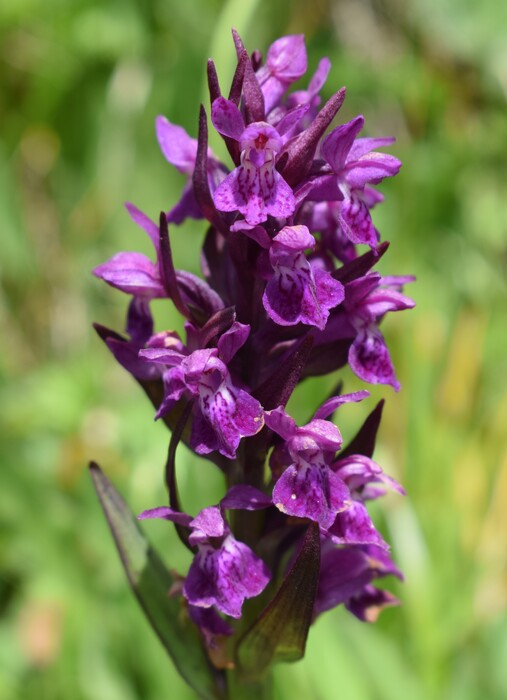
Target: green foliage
x=81, y=84
x=281, y=631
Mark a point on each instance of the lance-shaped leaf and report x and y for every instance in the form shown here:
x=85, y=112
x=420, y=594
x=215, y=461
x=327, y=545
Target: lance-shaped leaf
x=238, y=42
x=167, y=271
x=302, y=149
x=237, y=79
x=213, y=83
x=277, y=389
x=200, y=176
x=358, y=267
x=280, y=632
x=253, y=99
x=363, y=443
x=151, y=581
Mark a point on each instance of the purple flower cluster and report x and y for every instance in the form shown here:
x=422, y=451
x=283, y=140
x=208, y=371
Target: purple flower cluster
x=286, y=293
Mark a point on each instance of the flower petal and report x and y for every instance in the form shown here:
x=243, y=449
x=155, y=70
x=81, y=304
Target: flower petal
x=356, y=222
x=132, y=273
x=346, y=572
x=280, y=421
x=354, y=526
x=227, y=118
x=311, y=492
x=224, y=577
x=371, y=168
x=209, y=522
x=166, y=513
x=369, y=358
x=330, y=406
x=144, y=222
x=176, y=145
x=337, y=144
x=245, y=497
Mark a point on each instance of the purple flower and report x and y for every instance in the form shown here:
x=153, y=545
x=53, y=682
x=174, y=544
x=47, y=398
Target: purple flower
x=211, y=626
x=223, y=413
x=308, y=100
x=361, y=475
x=354, y=165
x=134, y=273
x=308, y=487
x=298, y=292
x=367, y=300
x=224, y=571
x=255, y=188
x=324, y=217
x=346, y=574
x=286, y=62
x=180, y=150
x=285, y=296
x=354, y=526
x=311, y=94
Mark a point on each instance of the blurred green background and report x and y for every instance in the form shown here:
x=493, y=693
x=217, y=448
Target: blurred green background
x=81, y=84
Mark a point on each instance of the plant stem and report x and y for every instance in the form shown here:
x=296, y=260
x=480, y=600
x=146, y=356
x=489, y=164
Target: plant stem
x=240, y=688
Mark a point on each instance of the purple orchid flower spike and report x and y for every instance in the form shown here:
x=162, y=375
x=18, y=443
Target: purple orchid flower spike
x=255, y=188
x=223, y=413
x=285, y=296
x=286, y=62
x=180, y=150
x=297, y=292
x=224, y=571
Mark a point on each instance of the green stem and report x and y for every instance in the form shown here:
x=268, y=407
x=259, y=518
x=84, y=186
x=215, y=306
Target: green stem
x=241, y=689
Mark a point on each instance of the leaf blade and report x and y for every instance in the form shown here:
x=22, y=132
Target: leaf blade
x=150, y=581
x=280, y=632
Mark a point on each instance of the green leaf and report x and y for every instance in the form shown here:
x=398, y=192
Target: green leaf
x=151, y=581
x=280, y=632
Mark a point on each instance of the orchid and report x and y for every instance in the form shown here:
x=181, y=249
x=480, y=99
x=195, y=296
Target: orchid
x=286, y=293
x=224, y=571
x=255, y=188
x=298, y=293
